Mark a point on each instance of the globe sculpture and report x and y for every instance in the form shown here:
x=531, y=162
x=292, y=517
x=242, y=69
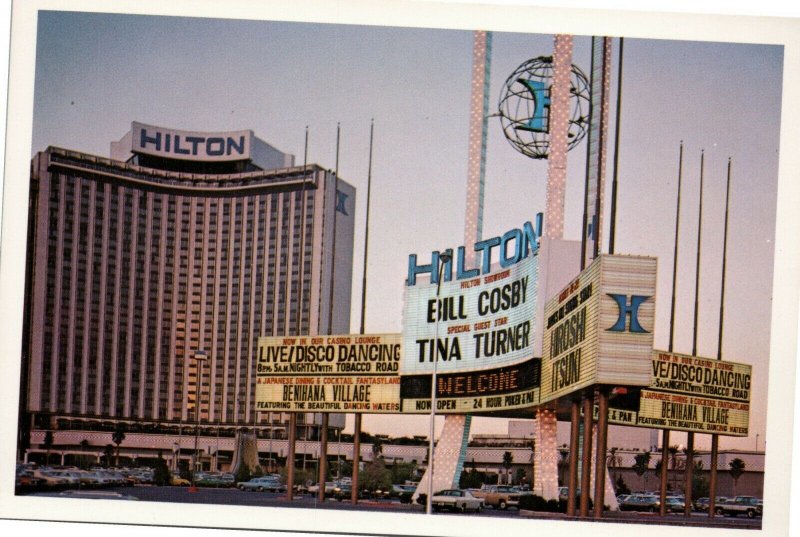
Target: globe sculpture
x=525, y=104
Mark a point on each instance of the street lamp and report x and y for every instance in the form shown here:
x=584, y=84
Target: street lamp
x=444, y=258
x=200, y=357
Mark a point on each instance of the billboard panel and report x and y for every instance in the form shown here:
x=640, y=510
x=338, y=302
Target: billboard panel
x=689, y=393
x=598, y=329
x=344, y=373
x=483, y=322
x=472, y=392
x=691, y=375
x=693, y=413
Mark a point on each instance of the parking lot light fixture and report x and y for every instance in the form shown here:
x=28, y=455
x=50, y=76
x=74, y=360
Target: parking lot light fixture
x=444, y=258
x=200, y=357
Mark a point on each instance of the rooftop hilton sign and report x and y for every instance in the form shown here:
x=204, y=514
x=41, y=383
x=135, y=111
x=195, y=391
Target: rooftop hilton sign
x=190, y=145
x=598, y=329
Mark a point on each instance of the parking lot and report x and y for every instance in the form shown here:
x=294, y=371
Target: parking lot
x=233, y=496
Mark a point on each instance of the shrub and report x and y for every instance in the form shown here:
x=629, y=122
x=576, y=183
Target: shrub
x=532, y=502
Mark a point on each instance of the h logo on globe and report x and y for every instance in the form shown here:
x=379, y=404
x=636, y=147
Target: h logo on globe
x=541, y=100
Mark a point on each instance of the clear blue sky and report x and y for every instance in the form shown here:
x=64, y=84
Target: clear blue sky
x=97, y=73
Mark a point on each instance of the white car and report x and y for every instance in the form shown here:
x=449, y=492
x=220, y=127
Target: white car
x=456, y=500
x=329, y=488
x=50, y=478
x=73, y=477
x=97, y=479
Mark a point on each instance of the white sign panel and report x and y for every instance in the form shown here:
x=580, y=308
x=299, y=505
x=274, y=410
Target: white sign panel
x=483, y=322
x=599, y=329
x=190, y=145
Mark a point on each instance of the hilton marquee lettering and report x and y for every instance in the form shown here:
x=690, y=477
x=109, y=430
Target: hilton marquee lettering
x=192, y=145
x=514, y=246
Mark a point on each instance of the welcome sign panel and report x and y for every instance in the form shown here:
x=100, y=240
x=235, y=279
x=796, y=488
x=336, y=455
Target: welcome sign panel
x=474, y=392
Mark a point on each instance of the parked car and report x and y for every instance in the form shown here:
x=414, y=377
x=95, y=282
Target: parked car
x=398, y=490
x=25, y=480
x=343, y=492
x=97, y=495
x=96, y=479
x=260, y=484
x=50, y=479
x=641, y=502
x=178, y=481
x=741, y=505
x=456, y=500
x=701, y=504
x=213, y=480
x=675, y=504
x=329, y=486
x=403, y=492
x=499, y=496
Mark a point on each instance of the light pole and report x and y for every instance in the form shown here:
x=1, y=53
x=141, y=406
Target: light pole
x=338, y=453
x=444, y=258
x=200, y=357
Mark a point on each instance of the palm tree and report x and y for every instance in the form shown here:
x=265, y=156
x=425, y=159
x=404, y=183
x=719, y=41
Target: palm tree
x=641, y=465
x=108, y=452
x=662, y=463
x=613, y=461
x=118, y=437
x=48, y=444
x=84, y=445
x=736, y=470
x=508, y=460
x=377, y=448
x=563, y=464
x=673, y=456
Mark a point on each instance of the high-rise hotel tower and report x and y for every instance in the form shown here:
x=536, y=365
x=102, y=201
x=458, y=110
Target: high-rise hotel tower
x=176, y=253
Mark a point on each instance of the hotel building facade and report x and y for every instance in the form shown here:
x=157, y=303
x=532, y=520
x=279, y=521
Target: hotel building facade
x=152, y=274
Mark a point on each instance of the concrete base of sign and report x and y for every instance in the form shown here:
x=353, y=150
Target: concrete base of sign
x=545, y=461
x=545, y=455
x=448, y=456
x=245, y=451
x=610, y=493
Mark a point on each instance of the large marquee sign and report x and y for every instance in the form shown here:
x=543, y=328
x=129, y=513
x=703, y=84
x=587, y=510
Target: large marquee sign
x=599, y=328
x=690, y=393
x=480, y=328
x=343, y=373
x=482, y=319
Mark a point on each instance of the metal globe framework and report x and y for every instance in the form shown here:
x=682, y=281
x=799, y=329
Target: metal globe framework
x=518, y=110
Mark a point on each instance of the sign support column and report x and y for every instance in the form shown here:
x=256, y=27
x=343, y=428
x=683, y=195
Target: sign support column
x=586, y=460
x=574, y=439
x=600, y=463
